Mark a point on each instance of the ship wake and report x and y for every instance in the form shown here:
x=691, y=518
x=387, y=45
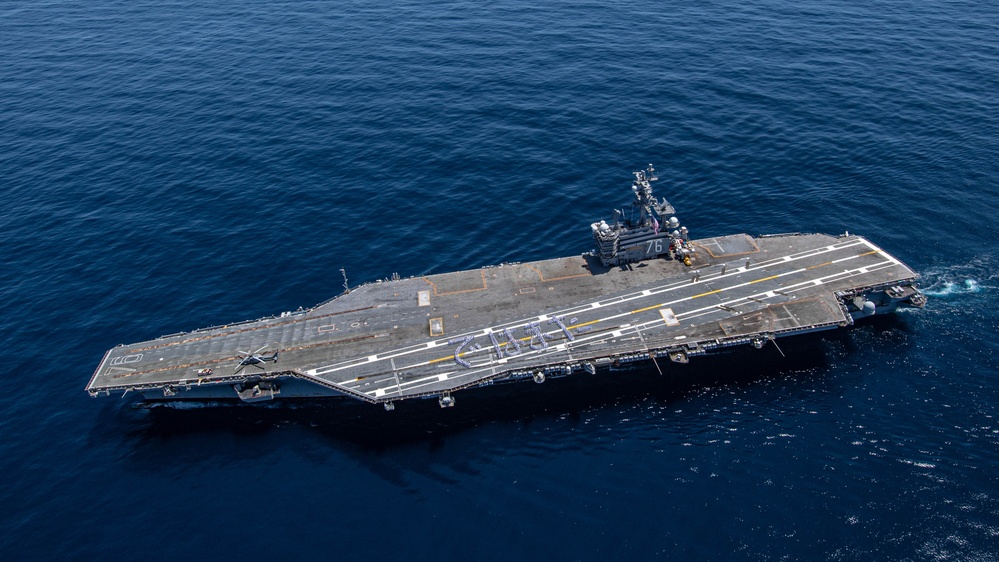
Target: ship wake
x=972, y=278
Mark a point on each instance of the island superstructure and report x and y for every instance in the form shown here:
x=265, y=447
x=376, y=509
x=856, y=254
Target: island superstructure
x=648, y=293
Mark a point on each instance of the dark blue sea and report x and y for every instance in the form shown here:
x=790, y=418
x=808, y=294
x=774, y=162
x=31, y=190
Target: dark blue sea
x=170, y=165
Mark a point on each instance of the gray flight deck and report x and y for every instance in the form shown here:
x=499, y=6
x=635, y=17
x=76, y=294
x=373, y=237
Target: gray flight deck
x=434, y=335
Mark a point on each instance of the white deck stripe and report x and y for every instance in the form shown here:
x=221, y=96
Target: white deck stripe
x=411, y=385
x=624, y=298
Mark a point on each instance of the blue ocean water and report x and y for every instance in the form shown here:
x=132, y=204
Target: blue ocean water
x=175, y=164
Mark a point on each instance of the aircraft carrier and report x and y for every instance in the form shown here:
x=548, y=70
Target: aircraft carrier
x=647, y=293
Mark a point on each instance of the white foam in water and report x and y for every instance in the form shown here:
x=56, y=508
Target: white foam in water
x=970, y=278
x=949, y=288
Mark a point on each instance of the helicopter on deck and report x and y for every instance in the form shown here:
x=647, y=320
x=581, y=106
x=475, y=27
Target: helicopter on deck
x=255, y=359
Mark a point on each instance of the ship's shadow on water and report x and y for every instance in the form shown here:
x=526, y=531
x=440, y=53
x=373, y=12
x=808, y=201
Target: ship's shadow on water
x=803, y=360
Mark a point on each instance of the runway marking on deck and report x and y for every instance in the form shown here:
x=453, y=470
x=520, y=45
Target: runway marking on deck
x=477, y=371
x=484, y=286
x=405, y=351
x=126, y=359
x=802, y=255
x=707, y=293
x=618, y=334
x=792, y=288
x=688, y=314
x=209, y=335
x=632, y=296
x=721, y=249
x=886, y=255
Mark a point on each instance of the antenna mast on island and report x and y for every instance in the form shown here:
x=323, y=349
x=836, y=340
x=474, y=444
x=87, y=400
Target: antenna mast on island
x=643, y=195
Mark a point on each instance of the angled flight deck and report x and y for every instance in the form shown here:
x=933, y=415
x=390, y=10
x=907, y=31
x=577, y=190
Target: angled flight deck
x=648, y=293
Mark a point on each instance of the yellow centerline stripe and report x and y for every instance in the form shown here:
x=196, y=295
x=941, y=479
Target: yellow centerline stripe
x=646, y=308
x=653, y=307
x=706, y=294
x=503, y=344
x=451, y=357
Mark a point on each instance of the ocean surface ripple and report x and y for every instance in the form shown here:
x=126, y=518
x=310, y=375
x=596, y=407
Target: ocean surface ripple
x=175, y=164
